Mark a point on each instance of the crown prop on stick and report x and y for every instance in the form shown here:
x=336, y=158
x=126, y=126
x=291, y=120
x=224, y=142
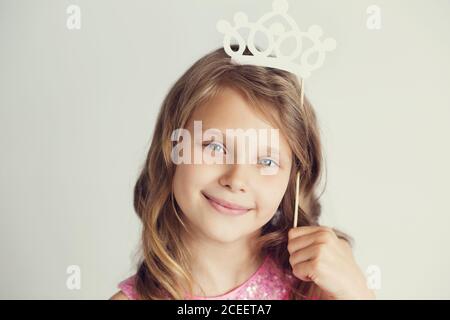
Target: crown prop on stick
x=299, y=61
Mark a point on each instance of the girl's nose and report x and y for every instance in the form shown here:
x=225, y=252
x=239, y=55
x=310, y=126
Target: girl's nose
x=236, y=178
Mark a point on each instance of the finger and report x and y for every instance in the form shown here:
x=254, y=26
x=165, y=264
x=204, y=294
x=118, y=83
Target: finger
x=306, y=271
x=300, y=231
x=305, y=254
x=304, y=241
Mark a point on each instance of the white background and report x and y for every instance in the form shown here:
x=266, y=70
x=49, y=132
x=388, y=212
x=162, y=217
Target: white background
x=77, y=109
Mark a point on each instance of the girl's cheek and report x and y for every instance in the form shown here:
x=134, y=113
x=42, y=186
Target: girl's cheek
x=190, y=177
x=270, y=190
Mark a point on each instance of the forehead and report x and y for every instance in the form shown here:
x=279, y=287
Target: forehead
x=230, y=109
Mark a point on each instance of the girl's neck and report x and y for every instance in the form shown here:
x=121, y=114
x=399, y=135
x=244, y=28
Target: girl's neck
x=219, y=267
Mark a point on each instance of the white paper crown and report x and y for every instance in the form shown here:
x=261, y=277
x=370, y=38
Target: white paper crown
x=276, y=35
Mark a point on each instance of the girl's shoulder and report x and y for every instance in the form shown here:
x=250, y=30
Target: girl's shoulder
x=119, y=296
x=127, y=289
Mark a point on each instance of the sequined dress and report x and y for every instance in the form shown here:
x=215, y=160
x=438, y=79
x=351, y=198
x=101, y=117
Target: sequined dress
x=267, y=283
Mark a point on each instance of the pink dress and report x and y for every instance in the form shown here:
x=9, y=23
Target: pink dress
x=267, y=283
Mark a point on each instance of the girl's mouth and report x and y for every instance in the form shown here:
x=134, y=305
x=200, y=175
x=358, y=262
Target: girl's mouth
x=225, y=207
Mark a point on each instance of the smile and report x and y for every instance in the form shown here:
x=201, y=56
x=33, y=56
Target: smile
x=225, y=207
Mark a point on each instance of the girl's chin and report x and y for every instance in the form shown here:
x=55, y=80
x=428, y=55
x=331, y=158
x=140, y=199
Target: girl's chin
x=217, y=232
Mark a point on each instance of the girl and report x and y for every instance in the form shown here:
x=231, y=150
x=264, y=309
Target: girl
x=224, y=231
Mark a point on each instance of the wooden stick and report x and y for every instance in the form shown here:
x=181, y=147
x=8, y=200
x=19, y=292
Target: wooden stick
x=297, y=182
x=297, y=195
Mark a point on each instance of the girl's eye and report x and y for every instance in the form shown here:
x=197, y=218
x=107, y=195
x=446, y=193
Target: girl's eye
x=268, y=162
x=216, y=147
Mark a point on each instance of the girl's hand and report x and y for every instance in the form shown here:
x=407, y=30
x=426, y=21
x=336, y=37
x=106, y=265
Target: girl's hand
x=317, y=254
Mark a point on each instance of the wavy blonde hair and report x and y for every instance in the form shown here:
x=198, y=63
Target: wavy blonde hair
x=163, y=270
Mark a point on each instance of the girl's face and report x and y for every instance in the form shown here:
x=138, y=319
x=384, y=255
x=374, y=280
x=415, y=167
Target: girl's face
x=241, y=184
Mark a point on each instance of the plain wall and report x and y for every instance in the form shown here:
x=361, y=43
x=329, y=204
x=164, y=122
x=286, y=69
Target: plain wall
x=77, y=109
